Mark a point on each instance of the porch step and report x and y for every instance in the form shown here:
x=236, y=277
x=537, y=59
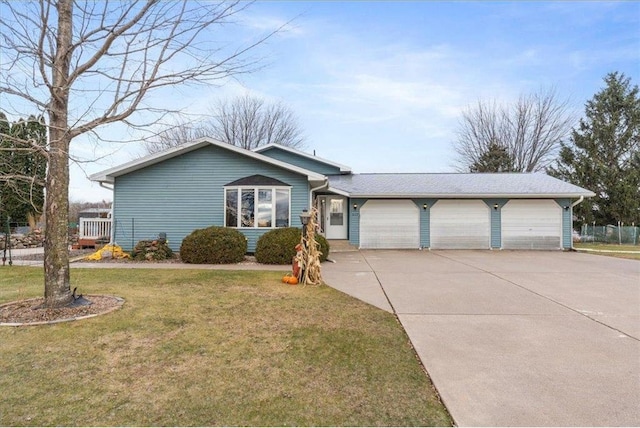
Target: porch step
x=340, y=246
x=86, y=242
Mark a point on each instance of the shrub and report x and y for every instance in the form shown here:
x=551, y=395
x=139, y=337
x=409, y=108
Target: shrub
x=151, y=250
x=213, y=245
x=324, y=247
x=278, y=247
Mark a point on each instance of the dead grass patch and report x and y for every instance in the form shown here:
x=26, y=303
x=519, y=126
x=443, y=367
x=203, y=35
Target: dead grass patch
x=611, y=250
x=200, y=348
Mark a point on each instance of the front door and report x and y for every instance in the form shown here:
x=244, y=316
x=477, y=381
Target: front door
x=335, y=217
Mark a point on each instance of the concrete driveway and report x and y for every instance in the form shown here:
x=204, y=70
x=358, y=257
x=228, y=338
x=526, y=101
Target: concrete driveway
x=513, y=338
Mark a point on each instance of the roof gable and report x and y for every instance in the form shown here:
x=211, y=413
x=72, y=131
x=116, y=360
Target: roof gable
x=108, y=176
x=306, y=160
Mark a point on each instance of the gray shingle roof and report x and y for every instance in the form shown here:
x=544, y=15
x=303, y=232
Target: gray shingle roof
x=455, y=185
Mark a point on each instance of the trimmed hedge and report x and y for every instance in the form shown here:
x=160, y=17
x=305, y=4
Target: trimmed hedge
x=213, y=245
x=278, y=247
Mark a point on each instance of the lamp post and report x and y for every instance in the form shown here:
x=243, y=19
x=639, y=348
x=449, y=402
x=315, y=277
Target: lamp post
x=304, y=219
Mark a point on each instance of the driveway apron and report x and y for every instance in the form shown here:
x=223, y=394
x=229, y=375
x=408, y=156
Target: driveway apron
x=513, y=338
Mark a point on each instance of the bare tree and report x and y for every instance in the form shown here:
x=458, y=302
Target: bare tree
x=182, y=132
x=85, y=64
x=246, y=121
x=530, y=130
x=250, y=122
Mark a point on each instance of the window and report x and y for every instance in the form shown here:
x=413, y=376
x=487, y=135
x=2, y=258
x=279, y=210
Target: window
x=231, y=196
x=247, y=208
x=282, y=207
x=263, y=207
x=336, y=213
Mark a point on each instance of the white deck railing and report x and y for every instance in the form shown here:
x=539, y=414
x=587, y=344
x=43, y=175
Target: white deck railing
x=94, y=228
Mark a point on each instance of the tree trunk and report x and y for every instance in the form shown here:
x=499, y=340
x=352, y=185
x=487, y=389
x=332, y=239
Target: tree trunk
x=57, y=289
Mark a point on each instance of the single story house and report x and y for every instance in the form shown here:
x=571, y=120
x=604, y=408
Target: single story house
x=208, y=182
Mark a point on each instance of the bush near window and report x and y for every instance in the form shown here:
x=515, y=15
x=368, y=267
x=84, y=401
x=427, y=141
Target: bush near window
x=278, y=247
x=151, y=250
x=213, y=245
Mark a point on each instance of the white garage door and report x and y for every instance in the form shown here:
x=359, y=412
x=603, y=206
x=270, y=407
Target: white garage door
x=531, y=225
x=389, y=224
x=460, y=224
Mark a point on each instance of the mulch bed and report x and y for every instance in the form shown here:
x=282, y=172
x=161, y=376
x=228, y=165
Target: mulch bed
x=29, y=312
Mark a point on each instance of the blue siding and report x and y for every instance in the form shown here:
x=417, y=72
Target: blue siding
x=567, y=222
x=354, y=220
x=496, y=220
x=301, y=161
x=186, y=193
x=425, y=220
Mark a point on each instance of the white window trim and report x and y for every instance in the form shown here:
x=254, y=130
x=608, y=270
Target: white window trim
x=256, y=190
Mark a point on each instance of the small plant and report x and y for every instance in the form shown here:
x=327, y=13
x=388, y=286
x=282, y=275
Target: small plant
x=213, y=245
x=151, y=250
x=278, y=247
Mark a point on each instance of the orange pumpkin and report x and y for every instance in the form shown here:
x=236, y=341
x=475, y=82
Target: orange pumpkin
x=290, y=279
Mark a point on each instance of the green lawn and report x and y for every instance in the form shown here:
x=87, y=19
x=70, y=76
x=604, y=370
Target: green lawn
x=193, y=347
x=612, y=250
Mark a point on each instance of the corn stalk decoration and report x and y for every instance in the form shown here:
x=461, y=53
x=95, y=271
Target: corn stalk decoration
x=308, y=257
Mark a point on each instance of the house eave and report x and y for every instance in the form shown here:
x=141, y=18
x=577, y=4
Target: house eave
x=338, y=191
x=463, y=196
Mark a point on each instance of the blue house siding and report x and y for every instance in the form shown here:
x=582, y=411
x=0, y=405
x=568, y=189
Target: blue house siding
x=496, y=221
x=301, y=161
x=354, y=220
x=425, y=220
x=186, y=192
x=567, y=222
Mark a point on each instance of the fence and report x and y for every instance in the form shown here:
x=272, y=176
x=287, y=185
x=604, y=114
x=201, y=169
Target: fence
x=129, y=231
x=610, y=234
x=14, y=227
x=94, y=228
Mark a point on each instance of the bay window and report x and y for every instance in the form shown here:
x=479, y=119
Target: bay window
x=261, y=207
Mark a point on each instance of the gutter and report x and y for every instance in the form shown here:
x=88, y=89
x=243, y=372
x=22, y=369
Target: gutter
x=577, y=202
x=101, y=183
x=573, y=205
x=462, y=196
x=314, y=189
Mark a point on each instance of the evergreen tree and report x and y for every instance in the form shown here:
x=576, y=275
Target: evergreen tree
x=5, y=161
x=495, y=159
x=22, y=168
x=603, y=154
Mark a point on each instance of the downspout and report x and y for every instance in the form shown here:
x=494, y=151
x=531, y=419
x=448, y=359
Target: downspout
x=113, y=228
x=325, y=184
x=573, y=205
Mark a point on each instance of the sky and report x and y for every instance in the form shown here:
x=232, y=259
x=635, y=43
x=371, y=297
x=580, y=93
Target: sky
x=380, y=86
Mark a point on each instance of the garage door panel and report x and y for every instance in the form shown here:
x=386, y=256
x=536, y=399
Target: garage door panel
x=531, y=225
x=460, y=224
x=389, y=224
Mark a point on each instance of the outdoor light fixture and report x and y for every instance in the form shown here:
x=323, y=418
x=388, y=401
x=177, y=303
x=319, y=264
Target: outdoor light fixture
x=495, y=207
x=566, y=208
x=304, y=217
x=355, y=207
x=424, y=207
